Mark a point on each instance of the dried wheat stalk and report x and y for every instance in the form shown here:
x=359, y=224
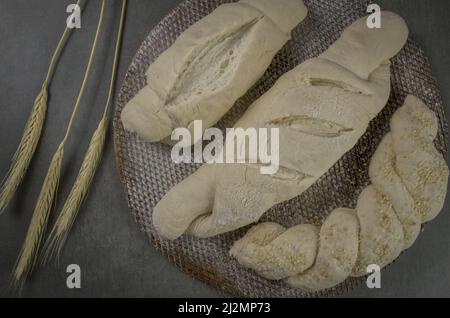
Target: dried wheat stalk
x=32, y=132
x=36, y=229
x=69, y=212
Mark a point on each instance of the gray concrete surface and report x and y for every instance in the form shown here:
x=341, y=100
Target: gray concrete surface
x=116, y=259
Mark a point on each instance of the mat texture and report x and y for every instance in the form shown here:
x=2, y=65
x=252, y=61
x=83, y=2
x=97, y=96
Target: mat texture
x=147, y=171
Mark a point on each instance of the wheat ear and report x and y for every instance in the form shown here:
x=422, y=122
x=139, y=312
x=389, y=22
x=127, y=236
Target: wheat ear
x=28, y=255
x=27, y=259
x=26, y=149
x=31, y=134
x=64, y=222
x=69, y=212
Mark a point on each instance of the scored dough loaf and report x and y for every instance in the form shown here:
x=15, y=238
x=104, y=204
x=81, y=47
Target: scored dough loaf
x=211, y=65
x=321, y=107
x=387, y=217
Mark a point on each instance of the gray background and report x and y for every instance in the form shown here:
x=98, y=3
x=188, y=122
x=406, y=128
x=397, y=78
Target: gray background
x=115, y=257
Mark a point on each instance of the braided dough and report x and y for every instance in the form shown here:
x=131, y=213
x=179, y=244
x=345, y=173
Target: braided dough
x=274, y=256
x=322, y=107
x=211, y=65
x=336, y=255
x=409, y=179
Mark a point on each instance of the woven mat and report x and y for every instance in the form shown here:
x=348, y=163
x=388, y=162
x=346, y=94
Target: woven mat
x=147, y=171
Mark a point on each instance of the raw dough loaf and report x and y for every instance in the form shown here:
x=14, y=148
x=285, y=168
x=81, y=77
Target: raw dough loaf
x=210, y=66
x=382, y=226
x=322, y=107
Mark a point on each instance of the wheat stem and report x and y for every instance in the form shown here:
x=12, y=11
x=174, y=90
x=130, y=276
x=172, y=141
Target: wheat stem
x=32, y=132
x=69, y=212
x=57, y=52
x=87, y=72
x=116, y=57
x=28, y=255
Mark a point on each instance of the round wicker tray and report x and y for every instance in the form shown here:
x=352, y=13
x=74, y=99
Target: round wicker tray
x=147, y=171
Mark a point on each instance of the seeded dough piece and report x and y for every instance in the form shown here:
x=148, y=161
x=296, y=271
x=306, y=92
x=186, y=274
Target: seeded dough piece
x=276, y=256
x=321, y=108
x=421, y=167
x=384, y=230
x=385, y=179
x=338, y=250
x=381, y=237
x=211, y=65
